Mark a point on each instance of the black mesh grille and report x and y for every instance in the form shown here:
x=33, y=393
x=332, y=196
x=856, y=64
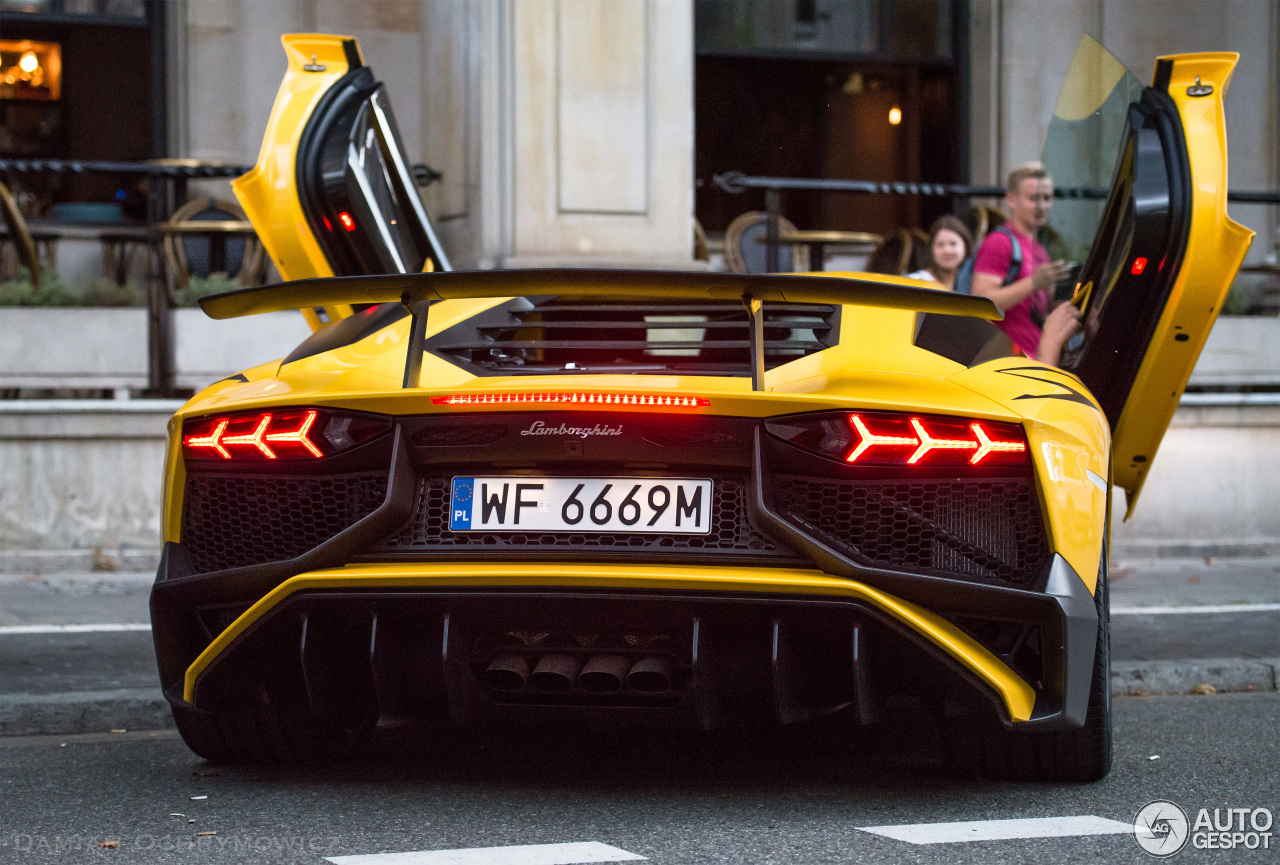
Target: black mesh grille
x=229, y=521
x=986, y=529
x=731, y=532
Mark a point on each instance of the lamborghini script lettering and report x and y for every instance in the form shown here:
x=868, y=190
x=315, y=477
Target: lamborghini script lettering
x=538, y=428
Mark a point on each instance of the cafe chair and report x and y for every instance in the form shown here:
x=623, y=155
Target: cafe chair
x=20, y=237
x=745, y=251
x=226, y=247
x=981, y=220
x=901, y=253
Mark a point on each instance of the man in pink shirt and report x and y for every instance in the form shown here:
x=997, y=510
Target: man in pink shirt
x=1027, y=299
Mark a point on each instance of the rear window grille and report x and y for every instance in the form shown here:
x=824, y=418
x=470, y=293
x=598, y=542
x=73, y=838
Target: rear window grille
x=546, y=335
x=989, y=530
x=229, y=521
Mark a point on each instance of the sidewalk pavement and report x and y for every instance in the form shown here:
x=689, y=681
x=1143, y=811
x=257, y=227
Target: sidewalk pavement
x=55, y=680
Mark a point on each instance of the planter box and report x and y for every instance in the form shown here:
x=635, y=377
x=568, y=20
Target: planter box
x=106, y=347
x=206, y=350
x=1242, y=350
x=73, y=347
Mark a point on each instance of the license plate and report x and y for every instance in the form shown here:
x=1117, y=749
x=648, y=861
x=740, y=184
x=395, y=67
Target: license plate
x=633, y=505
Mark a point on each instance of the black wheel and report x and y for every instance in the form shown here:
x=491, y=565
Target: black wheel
x=978, y=745
x=268, y=729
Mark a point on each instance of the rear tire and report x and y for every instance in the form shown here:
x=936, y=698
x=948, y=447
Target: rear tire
x=265, y=730
x=977, y=745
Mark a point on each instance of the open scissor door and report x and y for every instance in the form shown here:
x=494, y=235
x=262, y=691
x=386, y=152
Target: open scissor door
x=1164, y=252
x=333, y=193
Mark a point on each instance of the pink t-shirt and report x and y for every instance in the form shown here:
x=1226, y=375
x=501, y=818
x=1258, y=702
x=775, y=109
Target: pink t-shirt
x=994, y=257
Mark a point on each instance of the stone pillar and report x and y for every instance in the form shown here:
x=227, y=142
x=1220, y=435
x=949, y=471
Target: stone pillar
x=564, y=129
x=603, y=131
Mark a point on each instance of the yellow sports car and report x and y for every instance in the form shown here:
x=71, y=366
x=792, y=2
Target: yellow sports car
x=682, y=499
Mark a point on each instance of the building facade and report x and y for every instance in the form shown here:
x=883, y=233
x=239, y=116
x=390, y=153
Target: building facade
x=566, y=130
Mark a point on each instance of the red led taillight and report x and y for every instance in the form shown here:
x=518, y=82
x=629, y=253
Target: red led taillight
x=900, y=439
x=286, y=434
x=653, y=400
x=347, y=222
x=1139, y=265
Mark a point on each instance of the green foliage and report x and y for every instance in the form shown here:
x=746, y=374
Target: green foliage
x=101, y=292
x=203, y=287
x=20, y=291
x=1238, y=300
x=105, y=292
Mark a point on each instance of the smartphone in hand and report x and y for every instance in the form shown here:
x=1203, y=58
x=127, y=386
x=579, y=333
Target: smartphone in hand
x=1065, y=288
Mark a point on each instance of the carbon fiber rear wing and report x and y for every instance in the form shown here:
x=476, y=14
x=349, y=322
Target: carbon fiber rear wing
x=416, y=291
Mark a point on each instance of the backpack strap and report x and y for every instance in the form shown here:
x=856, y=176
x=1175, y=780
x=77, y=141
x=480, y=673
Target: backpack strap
x=1015, y=263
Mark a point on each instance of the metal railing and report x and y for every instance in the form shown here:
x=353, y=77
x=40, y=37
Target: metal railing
x=735, y=182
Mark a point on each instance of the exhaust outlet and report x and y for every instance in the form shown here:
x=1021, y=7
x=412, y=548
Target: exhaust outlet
x=556, y=673
x=604, y=674
x=652, y=675
x=506, y=673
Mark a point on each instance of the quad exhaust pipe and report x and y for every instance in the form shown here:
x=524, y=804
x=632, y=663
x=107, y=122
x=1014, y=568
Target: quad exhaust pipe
x=506, y=673
x=556, y=673
x=652, y=675
x=602, y=674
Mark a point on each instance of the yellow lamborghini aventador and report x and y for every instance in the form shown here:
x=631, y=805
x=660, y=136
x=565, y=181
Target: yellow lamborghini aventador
x=683, y=499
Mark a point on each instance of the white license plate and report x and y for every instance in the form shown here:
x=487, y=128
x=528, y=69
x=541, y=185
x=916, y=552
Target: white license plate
x=633, y=505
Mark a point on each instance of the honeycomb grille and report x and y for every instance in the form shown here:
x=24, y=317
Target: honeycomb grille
x=229, y=521
x=989, y=530
x=731, y=532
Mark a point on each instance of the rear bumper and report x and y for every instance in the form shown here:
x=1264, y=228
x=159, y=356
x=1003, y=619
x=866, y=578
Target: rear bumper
x=326, y=622
x=747, y=644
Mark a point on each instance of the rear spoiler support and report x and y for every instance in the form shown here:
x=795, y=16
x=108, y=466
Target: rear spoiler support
x=755, y=312
x=417, y=336
x=416, y=291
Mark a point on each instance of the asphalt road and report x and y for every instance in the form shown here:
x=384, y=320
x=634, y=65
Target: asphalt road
x=51, y=663
x=801, y=796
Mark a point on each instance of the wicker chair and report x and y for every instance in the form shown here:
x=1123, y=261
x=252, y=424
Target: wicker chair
x=745, y=253
x=196, y=253
x=901, y=253
x=20, y=236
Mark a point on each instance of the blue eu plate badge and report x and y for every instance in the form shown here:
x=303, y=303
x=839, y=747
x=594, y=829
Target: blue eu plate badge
x=460, y=504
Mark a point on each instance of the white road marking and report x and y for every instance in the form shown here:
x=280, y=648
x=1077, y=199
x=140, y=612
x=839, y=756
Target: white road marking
x=1208, y=608
x=1001, y=830
x=527, y=854
x=106, y=628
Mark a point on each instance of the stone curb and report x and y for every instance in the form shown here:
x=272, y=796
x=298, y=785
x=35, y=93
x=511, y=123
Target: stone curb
x=145, y=709
x=104, y=561
x=1250, y=548
x=1151, y=678
x=83, y=712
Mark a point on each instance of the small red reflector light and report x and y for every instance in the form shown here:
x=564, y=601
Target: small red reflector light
x=328, y=226
x=347, y=222
x=1139, y=265
x=654, y=400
